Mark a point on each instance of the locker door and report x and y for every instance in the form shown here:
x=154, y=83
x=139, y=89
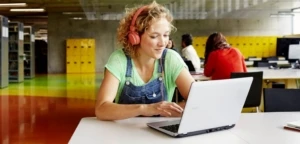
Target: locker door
x=91, y=47
x=76, y=47
x=70, y=65
x=76, y=63
x=91, y=64
x=84, y=64
x=69, y=47
x=83, y=47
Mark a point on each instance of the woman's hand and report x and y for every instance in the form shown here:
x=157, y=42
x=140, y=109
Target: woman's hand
x=167, y=109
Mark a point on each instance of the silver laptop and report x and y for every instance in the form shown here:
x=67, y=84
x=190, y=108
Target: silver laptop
x=211, y=106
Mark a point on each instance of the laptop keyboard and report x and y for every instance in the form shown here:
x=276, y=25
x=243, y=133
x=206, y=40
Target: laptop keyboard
x=172, y=128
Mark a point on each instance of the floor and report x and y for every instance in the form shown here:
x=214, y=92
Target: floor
x=46, y=109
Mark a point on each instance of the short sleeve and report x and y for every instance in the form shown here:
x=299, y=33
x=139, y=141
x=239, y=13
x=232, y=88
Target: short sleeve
x=174, y=64
x=116, y=64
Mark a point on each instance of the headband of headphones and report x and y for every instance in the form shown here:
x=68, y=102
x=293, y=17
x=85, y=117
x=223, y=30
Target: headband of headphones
x=136, y=14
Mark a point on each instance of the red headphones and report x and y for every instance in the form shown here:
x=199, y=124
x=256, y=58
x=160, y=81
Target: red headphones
x=133, y=36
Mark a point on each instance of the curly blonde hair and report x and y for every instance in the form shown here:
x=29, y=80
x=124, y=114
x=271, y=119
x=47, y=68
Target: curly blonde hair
x=145, y=18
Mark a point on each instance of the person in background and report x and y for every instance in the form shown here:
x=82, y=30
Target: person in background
x=171, y=45
x=221, y=59
x=189, y=52
x=141, y=77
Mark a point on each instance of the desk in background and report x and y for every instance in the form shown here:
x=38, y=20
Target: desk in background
x=252, y=128
x=288, y=76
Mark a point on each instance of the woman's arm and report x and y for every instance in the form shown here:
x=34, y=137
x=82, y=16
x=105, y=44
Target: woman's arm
x=105, y=109
x=184, y=82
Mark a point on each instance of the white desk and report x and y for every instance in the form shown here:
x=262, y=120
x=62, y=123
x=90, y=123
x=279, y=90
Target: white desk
x=277, y=73
x=252, y=128
x=287, y=75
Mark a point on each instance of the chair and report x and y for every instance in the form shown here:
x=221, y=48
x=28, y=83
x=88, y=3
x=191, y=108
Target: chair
x=190, y=65
x=263, y=64
x=254, y=96
x=274, y=58
x=281, y=100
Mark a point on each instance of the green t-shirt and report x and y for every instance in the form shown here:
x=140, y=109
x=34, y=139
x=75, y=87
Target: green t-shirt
x=117, y=64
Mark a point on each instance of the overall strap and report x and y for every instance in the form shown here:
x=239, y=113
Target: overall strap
x=161, y=65
x=129, y=65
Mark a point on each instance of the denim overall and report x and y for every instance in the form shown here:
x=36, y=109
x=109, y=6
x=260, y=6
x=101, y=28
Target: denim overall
x=152, y=92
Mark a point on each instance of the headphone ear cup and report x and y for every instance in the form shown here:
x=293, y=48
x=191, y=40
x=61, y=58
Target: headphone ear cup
x=134, y=38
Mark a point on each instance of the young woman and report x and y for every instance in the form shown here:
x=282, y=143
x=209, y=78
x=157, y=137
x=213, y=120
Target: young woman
x=142, y=76
x=221, y=59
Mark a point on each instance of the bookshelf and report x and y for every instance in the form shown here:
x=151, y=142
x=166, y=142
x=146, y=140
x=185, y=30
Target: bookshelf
x=16, y=54
x=29, y=62
x=3, y=52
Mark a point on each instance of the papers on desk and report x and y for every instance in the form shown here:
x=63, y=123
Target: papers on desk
x=249, y=63
x=293, y=126
x=255, y=59
x=280, y=62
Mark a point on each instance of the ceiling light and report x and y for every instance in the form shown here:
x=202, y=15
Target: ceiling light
x=296, y=9
x=281, y=15
x=285, y=12
x=77, y=18
x=28, y=10
x=12, y=4
x=70, y=13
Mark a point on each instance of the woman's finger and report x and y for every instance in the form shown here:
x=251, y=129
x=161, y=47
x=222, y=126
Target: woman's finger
x=176, y=109
x=172, y=106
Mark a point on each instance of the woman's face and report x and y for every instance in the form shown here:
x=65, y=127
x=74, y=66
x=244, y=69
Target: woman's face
x=155, y=39
x=169, y=44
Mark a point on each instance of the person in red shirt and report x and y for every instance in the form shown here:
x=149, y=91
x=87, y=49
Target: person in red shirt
x=221, y=59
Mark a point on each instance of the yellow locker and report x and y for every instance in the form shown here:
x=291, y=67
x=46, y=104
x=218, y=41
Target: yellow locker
x=83, y=50
x=229, y=39
x=272, y=46
x=264, y=46
x=203, y=41
x=69, y=64
x=249, y=46
x=83, y=64
x=76, y=48
x=76, y=64
x=91, y=47
x=69, y=45
x=90, y=51
x=242, y=48
x=80, y=55
x=232, y=42
x=91, y=67
x=258, y=46
x=91, y=42
x=196, y=44
x=202, y=46
x=69, y=50
x=238, y=41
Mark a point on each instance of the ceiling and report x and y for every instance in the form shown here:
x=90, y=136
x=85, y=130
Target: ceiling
x=181, y=9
